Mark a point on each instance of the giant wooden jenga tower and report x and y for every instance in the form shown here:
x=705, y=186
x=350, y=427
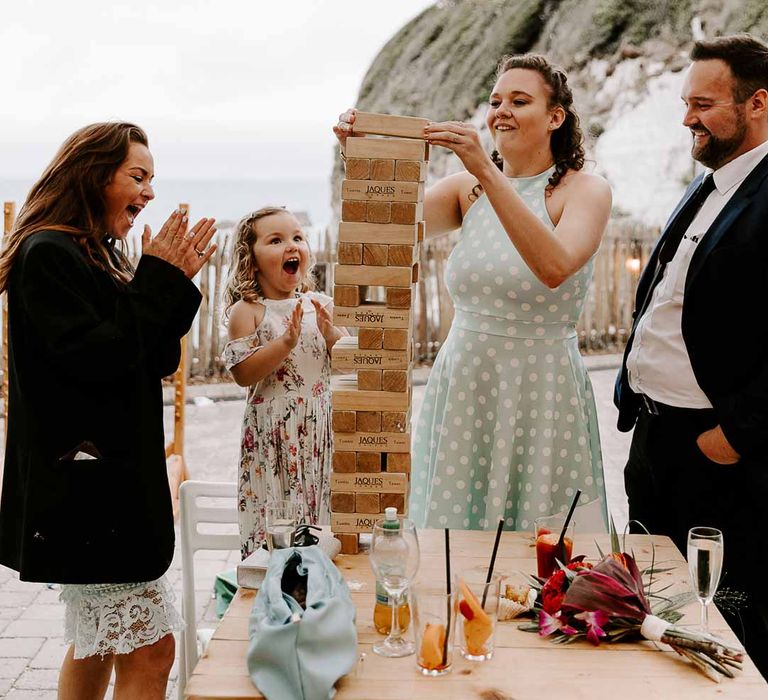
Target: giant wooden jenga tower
x=380, y=230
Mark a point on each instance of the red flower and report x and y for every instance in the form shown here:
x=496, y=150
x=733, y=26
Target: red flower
x=553, y=592
x=248, y=439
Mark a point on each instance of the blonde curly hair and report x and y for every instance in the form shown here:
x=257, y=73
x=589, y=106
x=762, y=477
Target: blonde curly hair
x=241, y=281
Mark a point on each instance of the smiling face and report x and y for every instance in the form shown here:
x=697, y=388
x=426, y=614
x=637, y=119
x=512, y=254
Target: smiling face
x=282, y=255
x=718, y=123
x=519, y=117
x=129, y=190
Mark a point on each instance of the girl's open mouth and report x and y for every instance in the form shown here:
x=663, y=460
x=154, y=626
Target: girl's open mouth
x=291, y=266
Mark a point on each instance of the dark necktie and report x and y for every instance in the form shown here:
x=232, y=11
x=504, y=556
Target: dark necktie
x=675, y=234
x=684, y=219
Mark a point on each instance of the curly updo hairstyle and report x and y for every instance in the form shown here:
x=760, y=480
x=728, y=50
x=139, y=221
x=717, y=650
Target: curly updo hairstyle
x=567, y=141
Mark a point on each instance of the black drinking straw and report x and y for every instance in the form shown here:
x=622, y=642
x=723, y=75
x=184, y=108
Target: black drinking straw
x=493, y=560
x=560, y=547
x=448, y=590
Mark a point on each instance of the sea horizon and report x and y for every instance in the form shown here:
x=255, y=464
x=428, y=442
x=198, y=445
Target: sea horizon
x=226, y=199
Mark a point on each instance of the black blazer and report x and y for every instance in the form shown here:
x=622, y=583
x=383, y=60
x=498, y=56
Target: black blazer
x=86, y=356
x=723, y=325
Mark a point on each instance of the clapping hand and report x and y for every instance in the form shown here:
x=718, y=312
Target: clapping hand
x=187, y=251
x=293, y=331
x=325, y=324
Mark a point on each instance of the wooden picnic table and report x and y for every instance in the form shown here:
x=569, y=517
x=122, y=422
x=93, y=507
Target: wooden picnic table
x=524, y=665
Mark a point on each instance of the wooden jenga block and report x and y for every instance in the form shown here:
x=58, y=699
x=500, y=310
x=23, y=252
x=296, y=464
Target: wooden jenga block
x=342, y=502
x=350, y=542
x=421, y=227
x=344, y=462
x=399, y=462
x=354, y=522
x=372, y=315
x=369, y=379
x=374, y=254
x=348, y=357
x=415, y=271
x=345, y=396
x=369, y=462
x=408, y=171
x=378, y=212
x=350, y=253
x=393, y=500
x=359, y=168
x=403, y=213
x=389, y=125
x=395, y=339
x=368, y=422
x=405, y=149
x=398, y=255
x=382, y=191
x=367, y=483
x=397, y=297
x=370, y=338
x=373, y=442
x=367, y=503
x=364, y=232
x=358, y=211
x=343, y=421
x=346, y=295
x=394, y=380
x=381, y=169
x=373, y=275
x=394, y=421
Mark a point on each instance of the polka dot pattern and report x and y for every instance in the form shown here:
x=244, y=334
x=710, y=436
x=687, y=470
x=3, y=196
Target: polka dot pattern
x=508, y=428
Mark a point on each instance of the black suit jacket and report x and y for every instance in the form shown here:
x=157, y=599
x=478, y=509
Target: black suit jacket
x=723, y=321
x=86, y=356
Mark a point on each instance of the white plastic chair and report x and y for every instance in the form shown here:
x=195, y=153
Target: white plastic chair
x=192, y=540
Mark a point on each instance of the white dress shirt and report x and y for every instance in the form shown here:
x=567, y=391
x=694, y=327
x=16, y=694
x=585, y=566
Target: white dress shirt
x=658, y=364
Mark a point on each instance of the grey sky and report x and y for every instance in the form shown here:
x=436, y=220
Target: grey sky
x=232, y=88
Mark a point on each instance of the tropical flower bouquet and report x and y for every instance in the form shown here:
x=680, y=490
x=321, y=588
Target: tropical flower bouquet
x=608, y=601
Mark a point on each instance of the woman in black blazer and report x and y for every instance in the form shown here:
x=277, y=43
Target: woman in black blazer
x=85, y=499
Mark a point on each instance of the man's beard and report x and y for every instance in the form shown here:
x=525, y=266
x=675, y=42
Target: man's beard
x=716, y=151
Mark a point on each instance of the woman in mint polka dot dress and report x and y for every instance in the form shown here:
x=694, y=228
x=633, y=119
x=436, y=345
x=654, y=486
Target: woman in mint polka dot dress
x=508, y=428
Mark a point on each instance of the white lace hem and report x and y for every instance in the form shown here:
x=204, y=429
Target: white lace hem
x=118, y=618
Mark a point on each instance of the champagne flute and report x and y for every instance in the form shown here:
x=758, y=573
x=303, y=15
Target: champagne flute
x=394, y=558
x=705, y=563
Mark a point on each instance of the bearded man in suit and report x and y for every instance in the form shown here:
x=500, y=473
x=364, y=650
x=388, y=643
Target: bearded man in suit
x=694, y=381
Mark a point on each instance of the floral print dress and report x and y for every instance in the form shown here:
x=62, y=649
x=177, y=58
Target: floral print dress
x=286, y=445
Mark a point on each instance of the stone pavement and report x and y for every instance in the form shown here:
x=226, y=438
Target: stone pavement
x=31, y=647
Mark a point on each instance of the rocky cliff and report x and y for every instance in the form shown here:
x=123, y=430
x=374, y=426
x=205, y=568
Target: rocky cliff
x=625, y=59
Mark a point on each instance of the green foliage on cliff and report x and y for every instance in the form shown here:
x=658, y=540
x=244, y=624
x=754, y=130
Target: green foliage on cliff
x=441, y=65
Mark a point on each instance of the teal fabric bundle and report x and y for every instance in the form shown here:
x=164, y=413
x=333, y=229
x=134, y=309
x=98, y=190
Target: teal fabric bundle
x=296, y=652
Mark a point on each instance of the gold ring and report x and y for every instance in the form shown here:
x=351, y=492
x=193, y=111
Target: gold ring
x=200, y=253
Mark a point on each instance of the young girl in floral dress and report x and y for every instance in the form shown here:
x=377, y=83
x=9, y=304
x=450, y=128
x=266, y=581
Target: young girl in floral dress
x=280, y=340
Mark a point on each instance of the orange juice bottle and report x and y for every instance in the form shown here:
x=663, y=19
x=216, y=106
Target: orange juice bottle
x=382, y=610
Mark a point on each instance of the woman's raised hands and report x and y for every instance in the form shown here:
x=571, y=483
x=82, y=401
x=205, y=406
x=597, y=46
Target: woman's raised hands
x=187, y=251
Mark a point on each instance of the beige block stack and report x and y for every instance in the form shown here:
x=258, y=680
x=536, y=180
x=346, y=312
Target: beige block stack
x=380, y=230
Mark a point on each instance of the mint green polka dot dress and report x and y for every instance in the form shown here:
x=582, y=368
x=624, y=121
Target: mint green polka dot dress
x=508, y=427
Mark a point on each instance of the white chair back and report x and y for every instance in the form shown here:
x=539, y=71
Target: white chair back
x=192, y=540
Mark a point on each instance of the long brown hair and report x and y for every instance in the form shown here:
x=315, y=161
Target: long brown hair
x=241, y=281
x=567, y=142
x=69, y=197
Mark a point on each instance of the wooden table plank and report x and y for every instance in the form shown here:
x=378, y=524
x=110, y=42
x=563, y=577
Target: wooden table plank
x=524, y=665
